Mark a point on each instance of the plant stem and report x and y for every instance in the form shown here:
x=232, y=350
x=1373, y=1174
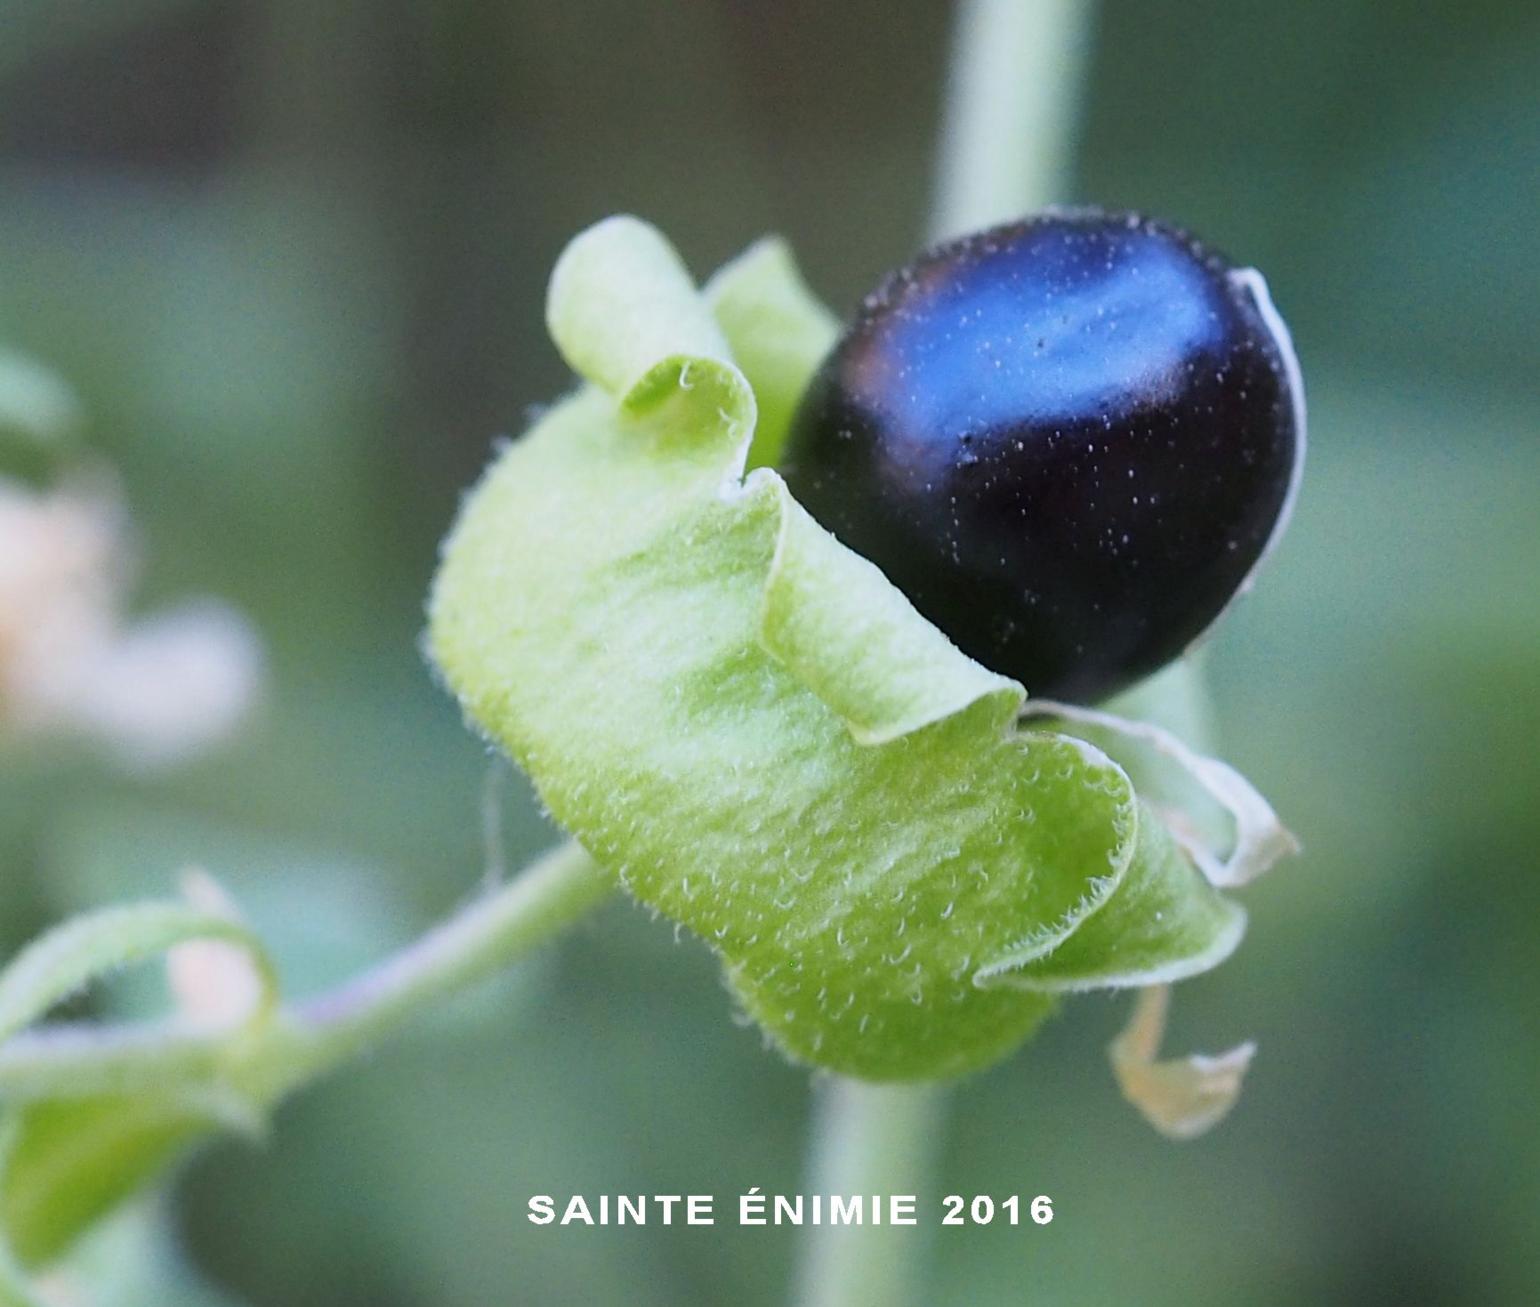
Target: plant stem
x=306, y=1039
x=1012, y=101
x=1007, y=138
x=545, y=898
x=875, y=1141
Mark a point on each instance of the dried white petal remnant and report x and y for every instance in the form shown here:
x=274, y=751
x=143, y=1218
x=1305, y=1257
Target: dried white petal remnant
x=1180, y=1097
x=153, y=692
x=1260, y=838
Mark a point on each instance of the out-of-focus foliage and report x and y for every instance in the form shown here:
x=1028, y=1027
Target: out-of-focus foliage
x=292, y=257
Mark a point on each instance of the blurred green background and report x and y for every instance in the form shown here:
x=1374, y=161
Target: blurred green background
x=292, y=255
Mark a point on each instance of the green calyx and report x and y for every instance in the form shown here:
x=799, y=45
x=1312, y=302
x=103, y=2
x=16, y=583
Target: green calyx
x=752, y=731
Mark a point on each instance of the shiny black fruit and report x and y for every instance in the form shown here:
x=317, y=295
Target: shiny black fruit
x=1068, y=441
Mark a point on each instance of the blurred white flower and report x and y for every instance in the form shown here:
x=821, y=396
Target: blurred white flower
x=35, y=406
x=153, y=691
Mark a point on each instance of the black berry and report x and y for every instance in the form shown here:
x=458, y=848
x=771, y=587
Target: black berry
x=1068, y=441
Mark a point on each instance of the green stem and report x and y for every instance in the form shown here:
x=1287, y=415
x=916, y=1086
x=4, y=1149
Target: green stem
x=876, y=1141
x=306, y=1039
x=1013, y=95
x=84, y=1061
x=543, y=900
x=1007, y=139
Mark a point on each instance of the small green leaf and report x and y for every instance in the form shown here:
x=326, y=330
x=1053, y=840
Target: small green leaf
x=14, y=1289
x=70, y=956
x=752, y=730
x=74, y=1160
x=71, y=1159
